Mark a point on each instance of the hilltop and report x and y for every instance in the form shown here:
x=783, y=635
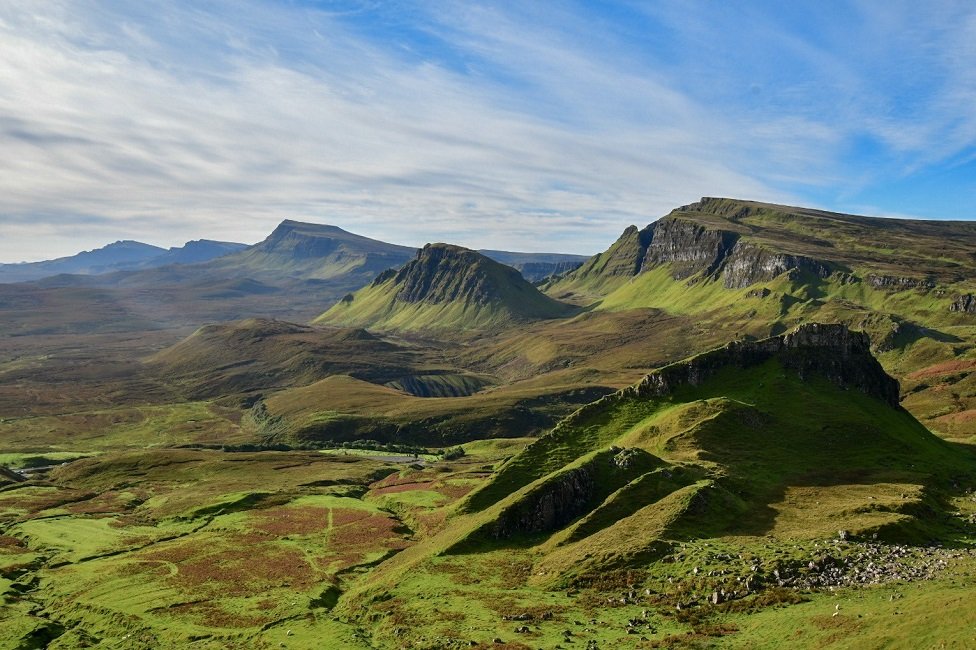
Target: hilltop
x=310, y=251
x=445, y=288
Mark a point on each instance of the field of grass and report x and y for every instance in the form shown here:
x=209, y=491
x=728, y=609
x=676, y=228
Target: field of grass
x=748, y=508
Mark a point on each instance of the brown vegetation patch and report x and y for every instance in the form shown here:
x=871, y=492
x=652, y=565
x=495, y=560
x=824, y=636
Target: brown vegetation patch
x=347, y=516
x=404, y=487
x=297, y=520
x=453, y=491
x=958, y=418
x=210, y=615
x=35, y=503
x=429, y=523
x=239, y=571
x=957, y=365
x=105, y=503
x=371, y=532
x=9, y=541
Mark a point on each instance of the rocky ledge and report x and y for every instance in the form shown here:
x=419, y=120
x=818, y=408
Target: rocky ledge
x=831, y=351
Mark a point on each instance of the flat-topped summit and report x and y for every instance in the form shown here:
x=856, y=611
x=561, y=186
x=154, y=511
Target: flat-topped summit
x=445, y=286
x=740, y=243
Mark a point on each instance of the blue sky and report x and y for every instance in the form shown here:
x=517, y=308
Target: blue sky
x=525, y=126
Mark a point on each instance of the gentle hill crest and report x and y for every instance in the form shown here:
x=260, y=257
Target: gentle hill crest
x=445, y=287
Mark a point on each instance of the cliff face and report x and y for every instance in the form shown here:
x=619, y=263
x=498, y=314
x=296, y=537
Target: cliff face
x=748, y=264
x=831, y=351
x=689, y=247
x=553, y=506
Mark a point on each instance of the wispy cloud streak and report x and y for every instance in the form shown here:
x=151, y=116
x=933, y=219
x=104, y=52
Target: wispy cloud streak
x=475, y=123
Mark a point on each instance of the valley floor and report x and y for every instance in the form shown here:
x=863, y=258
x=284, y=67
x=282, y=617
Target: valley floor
x=209, y=549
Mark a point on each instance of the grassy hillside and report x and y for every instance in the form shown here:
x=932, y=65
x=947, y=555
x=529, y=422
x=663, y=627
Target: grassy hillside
x=711, y=487
x=753, y=269
x=446, y=288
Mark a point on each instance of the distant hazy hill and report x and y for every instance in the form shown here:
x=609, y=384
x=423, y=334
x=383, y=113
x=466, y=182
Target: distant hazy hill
x=445, y=288
x=310, y=251
x=537, y=266
x=120, y=256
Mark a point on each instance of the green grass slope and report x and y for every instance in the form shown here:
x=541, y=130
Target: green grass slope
x=446, y=288
x=722, y=444
x=754, y=269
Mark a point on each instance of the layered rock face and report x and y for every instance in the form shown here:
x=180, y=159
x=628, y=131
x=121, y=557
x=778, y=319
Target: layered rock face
x=690, y=248
x=553, y=506
x=832, y=351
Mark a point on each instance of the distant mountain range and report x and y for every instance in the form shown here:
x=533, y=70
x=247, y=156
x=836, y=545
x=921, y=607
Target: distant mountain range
x=126, y=255
x=299, y=270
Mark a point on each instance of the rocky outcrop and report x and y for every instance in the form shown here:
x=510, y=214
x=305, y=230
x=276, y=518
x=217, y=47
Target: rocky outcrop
x=688, y=248
x=552, y=506
x=442, y=273
x=965, y=303
x=749, y=264
x=833, y=352
x=899, y=283
x=622, y=259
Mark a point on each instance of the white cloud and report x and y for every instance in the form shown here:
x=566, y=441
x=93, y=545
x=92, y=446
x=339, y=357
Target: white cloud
x=165, y=122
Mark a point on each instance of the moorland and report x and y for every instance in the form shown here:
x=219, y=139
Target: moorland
x=740, y=425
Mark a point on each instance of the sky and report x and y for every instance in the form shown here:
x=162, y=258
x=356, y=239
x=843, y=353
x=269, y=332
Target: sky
x=536, y=126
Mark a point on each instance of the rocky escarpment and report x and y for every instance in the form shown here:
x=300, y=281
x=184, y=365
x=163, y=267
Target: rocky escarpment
x=899, y=283
x=689, y=248
x=566, y=495
x=749, y=264
x=833, y=352
x=550, y=507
